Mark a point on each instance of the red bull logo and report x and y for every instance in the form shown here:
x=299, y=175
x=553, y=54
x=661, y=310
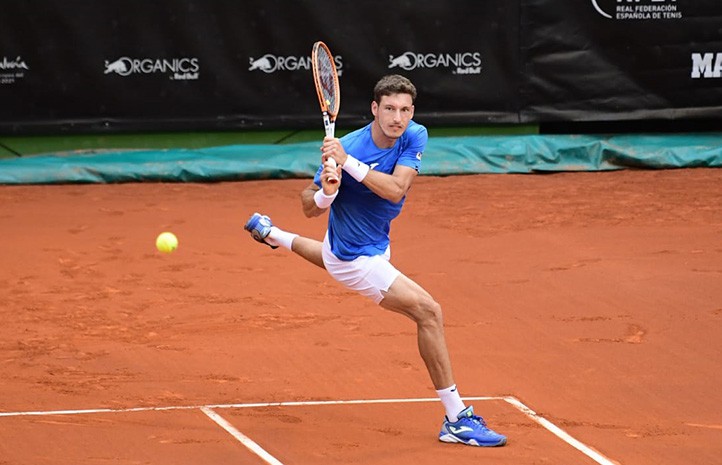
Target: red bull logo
x=176, y=68
x=269, y=63
x=459, y=62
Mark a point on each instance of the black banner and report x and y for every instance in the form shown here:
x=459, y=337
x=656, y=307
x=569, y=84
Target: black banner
x=588, y=60
x=83, y=65
x=215, y=64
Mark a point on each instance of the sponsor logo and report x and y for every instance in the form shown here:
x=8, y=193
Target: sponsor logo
x=460, y=429
x=638, y=9
x=17, y=63
x=457, y=63
x=270, y=63
x=177, y=69
x=706, y=65
x=373, y=165
x=12, y=69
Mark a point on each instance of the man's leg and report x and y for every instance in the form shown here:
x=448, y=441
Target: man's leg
x=461, y=424
x=263, y=231
x=308, y=248
x=408, y=298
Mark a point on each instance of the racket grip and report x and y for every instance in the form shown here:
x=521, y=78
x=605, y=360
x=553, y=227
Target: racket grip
x=333, y=164
x=330, y=129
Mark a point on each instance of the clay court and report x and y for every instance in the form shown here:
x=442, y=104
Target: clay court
x=594, y=299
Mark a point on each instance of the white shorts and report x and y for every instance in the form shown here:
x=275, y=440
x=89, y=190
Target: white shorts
x=366, y=275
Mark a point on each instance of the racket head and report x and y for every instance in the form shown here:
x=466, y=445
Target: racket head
x=325, y=77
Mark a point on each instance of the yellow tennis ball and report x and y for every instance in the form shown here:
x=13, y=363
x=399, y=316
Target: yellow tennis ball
x=328, y=102
x=166, y=242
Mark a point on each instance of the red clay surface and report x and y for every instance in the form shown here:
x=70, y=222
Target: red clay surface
x=595, y=298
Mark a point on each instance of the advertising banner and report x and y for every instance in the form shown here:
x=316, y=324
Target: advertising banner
x=83, y=65
x=596, y=60
x=134, y=65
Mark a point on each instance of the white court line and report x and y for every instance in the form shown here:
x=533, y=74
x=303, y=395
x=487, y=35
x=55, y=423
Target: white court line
x=558, y=432
x=226, y=406
x=242, y=438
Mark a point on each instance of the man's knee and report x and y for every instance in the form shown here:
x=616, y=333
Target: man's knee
x=428, y=311
x=412, y=300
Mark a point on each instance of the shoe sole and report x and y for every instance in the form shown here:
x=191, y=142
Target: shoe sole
x=451, y=439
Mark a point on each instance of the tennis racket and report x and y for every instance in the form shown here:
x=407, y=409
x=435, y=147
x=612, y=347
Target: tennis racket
x=325, y=78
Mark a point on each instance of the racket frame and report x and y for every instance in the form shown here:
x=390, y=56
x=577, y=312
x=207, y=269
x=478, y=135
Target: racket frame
x=329, y=114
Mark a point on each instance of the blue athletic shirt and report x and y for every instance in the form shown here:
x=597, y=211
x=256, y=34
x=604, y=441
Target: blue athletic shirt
x=359, y=221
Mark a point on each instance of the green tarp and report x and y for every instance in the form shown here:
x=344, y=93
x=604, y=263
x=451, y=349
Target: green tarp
x=444, y=156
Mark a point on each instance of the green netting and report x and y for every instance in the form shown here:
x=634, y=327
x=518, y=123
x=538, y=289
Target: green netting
x=443, y=156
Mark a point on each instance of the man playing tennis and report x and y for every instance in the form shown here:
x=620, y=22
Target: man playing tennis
x=379, y=163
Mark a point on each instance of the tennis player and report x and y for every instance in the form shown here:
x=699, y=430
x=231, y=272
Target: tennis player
x=377, y=165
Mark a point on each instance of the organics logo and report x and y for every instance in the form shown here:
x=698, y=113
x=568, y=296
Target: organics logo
x=270, y=63
x=458, y=62
x=178, y=69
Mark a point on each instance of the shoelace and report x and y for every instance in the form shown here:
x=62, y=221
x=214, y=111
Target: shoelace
x=478, y=420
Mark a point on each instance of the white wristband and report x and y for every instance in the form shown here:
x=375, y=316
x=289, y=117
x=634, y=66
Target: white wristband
x=322, y=200
x=357, y=169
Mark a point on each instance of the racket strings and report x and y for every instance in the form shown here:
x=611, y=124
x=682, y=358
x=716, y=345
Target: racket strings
x=326, y=76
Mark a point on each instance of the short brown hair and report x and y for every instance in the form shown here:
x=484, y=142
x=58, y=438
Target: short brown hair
x=394, y=84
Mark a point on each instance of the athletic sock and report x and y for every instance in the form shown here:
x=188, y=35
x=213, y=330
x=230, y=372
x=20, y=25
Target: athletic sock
x=452, y=402
x=279, y=237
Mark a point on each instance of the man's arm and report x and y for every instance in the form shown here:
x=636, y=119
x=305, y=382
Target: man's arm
x=310, y=209
x=392, y=187
x=308, y=195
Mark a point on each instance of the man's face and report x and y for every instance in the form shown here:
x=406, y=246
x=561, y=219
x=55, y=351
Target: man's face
x=393, y=114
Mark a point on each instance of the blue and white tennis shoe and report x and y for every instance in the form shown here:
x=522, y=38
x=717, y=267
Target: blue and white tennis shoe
x=260, y=227
x=471, y=430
